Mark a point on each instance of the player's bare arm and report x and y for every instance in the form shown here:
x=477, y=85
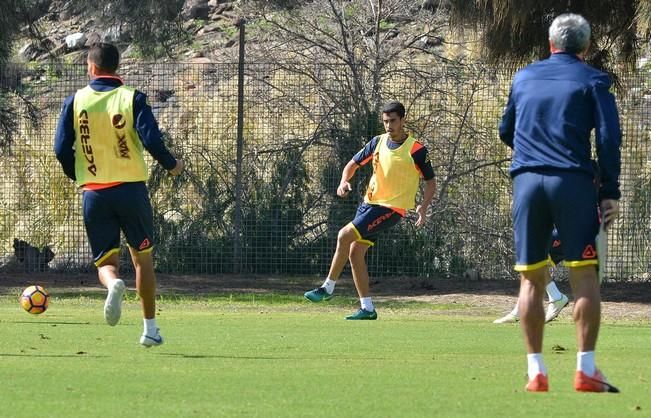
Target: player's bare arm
x=428, y=195
x=348, y=172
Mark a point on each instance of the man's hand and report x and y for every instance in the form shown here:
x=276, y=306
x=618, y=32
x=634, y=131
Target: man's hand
x=609, y=211
x=343, y=189
x=178, y=168
x=422, y=216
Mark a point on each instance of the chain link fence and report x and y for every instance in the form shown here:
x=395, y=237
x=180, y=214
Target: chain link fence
x=299, y=126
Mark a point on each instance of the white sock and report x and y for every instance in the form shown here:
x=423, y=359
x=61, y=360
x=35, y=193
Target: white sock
x=150, y=326
x=367, y=304
x=535, y=365
x=329, y=285
x=112, y=284
x=553, y=292
x=516, y=310
x=585, y=362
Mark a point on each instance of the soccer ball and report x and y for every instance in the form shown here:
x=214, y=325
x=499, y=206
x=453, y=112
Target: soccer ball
x=35, y=299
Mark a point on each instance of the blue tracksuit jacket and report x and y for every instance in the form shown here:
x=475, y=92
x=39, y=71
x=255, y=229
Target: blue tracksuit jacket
x=553, y=106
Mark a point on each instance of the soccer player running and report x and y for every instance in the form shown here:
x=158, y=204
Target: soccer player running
x=99, y=141
x=557, y=300
x=399, y=161
x=553, y=106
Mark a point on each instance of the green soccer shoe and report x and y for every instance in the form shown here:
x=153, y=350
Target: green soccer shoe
x=318, y=295
x=363, y=314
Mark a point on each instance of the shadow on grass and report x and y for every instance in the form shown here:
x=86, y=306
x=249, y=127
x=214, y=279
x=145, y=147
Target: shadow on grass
x=209, y=356
x=47, y=322
x=82, y=355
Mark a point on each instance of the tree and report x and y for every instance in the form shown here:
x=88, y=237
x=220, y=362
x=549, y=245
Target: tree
x=345, y=58
x=362, y=35
x=15, y=14
x=517, y=30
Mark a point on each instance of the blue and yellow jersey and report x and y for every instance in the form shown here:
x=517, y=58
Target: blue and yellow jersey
x=397, y=169
x=553, y=106
x=122, y=136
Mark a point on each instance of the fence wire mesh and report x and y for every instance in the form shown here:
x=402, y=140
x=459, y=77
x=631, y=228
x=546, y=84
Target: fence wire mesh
x=301, y=124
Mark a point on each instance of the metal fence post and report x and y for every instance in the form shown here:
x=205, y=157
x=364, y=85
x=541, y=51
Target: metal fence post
x=237, y=221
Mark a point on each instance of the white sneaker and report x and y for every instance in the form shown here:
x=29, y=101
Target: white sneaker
x=113, y=304
x=151, y=340
x=509, y=318
x=554, y=308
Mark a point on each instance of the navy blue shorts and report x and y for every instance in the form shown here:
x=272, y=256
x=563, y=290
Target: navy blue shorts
x=567, y=200
x=125, y=207
x=373, y=219
x=556, y=250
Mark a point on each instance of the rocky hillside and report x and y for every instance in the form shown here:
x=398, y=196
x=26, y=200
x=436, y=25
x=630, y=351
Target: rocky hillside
x=63, y=34
x=209, y=29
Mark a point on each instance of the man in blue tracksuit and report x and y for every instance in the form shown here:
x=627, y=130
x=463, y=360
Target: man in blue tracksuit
x=553, y=106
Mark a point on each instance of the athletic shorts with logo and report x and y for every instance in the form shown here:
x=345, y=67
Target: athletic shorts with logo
x=370, y=220
x=125, y=207
x=556, y=250
x=544, y=199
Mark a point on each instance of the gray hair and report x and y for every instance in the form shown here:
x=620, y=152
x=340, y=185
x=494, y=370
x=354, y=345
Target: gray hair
x=570, y=32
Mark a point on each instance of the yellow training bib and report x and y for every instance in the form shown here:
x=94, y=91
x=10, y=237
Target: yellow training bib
x=395, y=177
x=107, y=146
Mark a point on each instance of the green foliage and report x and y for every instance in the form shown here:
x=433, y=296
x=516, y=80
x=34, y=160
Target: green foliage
x=182, y=227
x=273, y=214
x=15, y=14
x=384, y=25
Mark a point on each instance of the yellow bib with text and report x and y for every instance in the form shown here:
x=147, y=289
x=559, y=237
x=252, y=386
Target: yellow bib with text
x=107, y=146
x=395, y=177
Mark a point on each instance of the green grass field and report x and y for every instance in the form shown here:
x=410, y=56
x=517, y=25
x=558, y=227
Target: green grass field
x=277, y=355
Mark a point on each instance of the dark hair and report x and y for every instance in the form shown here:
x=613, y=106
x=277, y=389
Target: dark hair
x=106, y=56
x=394, y=106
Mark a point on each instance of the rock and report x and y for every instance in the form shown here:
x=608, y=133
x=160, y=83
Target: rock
x=429, y=41
x=162, y=95
x=435, y=5
x=226, y=7
x=201, y=60
x=29, y=51
x=114, y=34
x=60, y=49
x=211, y=27
x=196, y=9
x=65, y=13
x=75, y=41
x=130, y=52
x=392, y=33
x=93, y=38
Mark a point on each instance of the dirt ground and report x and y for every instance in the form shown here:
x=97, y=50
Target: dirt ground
x=631, y=301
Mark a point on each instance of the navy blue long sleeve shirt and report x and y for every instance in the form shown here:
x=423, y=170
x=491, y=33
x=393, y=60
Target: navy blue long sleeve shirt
x=144, y=123
x=553, y=106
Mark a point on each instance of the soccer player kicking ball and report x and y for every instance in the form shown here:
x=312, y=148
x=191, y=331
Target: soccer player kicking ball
x=553, y=106
x=100, y=138
x=557, y=300
x=399, y=161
